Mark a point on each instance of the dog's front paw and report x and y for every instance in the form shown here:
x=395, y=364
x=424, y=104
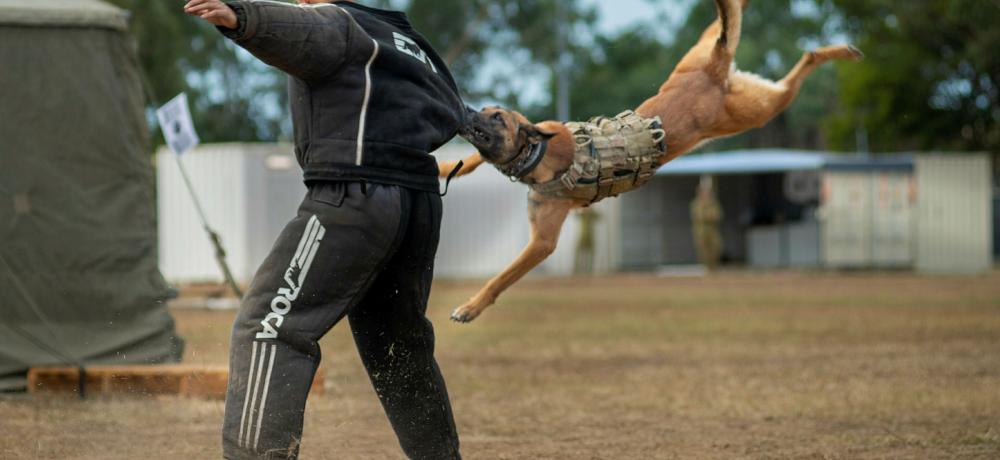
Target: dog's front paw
x=466, y=313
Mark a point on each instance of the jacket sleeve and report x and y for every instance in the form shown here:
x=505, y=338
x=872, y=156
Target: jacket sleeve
x=308, y=42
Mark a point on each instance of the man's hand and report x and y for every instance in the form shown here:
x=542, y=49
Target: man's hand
x=213, y=11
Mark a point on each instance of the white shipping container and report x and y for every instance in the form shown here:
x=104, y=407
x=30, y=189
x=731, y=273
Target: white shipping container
x=954, y=213
x=867, y=219
x=846, y=220
x=248, y=191
x=893, y=219
x=485, y=227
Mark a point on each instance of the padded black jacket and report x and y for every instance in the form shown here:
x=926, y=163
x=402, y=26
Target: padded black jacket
x=370, y=98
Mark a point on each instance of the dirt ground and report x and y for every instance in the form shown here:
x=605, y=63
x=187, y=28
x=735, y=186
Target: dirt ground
x=738, y=365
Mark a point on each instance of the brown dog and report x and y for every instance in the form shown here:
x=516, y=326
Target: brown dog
x=704, y=98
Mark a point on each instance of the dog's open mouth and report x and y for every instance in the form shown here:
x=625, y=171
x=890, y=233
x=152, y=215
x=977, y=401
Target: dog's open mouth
x=480, y=134
x=476, y=135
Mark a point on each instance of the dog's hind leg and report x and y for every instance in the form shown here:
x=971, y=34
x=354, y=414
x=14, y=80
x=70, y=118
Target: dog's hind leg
x=752, y=100
x=713, y=54
x=812, y=60
x=547, y=217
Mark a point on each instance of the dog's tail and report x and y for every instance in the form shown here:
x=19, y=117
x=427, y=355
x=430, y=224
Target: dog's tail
x=469, y=164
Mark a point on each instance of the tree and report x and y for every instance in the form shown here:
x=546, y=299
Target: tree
x=233, y=97
x=490, y=45
x=626, y=69
x=495, y=48
x=776, y=34
x=931, y=80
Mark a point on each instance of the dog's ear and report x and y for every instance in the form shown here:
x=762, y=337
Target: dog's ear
x=535, y=134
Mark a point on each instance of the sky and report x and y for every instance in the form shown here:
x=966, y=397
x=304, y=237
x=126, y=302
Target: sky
x=618, y=14
x=615, y=15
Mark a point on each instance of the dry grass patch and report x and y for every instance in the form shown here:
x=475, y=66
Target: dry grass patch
x=740, y=365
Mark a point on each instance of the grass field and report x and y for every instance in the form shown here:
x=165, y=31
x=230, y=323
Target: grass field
x=739, y=365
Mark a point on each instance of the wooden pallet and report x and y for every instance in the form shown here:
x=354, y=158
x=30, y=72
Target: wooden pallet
x=174, y=379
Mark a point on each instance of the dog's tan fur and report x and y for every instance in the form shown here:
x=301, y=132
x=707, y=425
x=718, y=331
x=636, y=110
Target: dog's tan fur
x=704, y=98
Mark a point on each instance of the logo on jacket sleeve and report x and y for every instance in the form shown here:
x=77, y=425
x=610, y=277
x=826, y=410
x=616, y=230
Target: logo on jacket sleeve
x=406, y=45
x=295, y=277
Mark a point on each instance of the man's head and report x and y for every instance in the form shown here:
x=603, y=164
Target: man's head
x=499, y=134
x=706, y=187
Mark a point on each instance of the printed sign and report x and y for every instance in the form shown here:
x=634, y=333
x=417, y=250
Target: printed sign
x=406, y=45
x=178, y=129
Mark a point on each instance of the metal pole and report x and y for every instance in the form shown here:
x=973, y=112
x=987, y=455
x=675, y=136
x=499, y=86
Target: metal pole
x=562, y=65
x=861, y=140
x=220, y=253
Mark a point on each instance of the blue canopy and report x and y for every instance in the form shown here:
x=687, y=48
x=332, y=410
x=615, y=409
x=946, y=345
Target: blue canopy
x=777, y=161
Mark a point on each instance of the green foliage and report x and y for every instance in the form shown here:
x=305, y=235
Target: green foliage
x=492, y=45
x=236, y=98
x=931, y=80
x=775, y=36
x=232, y=96
x=630, y=69
x=626, y=69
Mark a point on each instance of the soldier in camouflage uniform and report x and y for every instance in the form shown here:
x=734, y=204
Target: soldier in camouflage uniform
x=584, y=260
x=706, y=215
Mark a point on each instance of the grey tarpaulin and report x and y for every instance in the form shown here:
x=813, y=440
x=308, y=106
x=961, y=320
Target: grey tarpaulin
x=78, y=263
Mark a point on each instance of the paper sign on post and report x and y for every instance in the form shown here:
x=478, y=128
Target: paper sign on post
x=178, y=129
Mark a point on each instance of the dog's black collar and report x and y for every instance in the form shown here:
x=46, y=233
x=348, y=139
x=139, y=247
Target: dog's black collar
x=524, y=163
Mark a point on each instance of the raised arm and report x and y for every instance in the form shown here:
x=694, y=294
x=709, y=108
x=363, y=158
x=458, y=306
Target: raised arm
x=307, y=41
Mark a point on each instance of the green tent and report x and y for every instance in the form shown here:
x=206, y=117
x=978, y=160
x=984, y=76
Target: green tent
x=79, y=283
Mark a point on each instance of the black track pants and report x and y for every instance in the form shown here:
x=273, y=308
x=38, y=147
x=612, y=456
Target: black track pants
x=365, y=252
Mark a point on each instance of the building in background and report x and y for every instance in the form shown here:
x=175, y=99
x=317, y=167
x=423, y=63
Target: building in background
x=996, y=224
x=783, y=209
x=485, y=227
x=819, y=210
x=954, y=205
x=248, y=191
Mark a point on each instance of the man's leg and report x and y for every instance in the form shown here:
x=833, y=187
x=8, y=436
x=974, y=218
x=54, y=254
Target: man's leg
x=396, y=340
x=321, y=265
